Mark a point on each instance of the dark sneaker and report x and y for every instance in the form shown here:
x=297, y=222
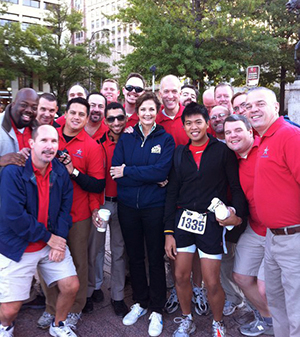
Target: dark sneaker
x=200, y=300
x=230, y=307
x=172, y=303
x=120, y=308
x=98, y=296
x=38, y=303
x=89, y=306
x=256, y=328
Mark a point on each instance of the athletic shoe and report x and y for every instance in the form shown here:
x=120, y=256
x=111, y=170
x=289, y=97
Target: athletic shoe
x=172, y=303
x=72, y=320
x=230, y=307
x=186, y=327
x=37, y=303
x=89, y=306
x=156, y=324
x=7, y=331
x=256, y=328
x=62, y=330
x=134, y=314
x=98, y=296
x=45, y=320
x=200, y=300
x=120, y=308
x=218, y=329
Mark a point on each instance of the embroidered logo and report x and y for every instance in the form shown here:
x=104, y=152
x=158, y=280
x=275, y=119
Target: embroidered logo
x=265, y=153
x=78, y=153
x=156, y=149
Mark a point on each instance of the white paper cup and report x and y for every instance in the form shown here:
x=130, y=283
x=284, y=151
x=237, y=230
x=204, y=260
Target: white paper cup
x=104, y=215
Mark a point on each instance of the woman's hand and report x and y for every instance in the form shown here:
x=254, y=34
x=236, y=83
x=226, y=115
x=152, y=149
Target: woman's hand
x=170, y=247
x=117, y=171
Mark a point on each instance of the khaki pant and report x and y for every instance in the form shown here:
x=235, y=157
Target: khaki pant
x=78, y=245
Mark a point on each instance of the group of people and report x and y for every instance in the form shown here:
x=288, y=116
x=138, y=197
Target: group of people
x=156, y=165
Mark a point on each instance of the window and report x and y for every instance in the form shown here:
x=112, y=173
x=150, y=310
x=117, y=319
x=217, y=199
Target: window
x=31, y=3
x=41, y=85
x=12, y=1
x=92, y=24
x=97, y=23
x=25, y=82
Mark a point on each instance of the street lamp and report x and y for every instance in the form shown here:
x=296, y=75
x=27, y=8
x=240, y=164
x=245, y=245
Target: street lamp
x=9, y=93
x=153, y=70
x=105, y=30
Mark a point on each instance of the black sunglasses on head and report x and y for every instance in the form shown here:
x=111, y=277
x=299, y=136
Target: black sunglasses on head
x=132, y=87
x=111, y=119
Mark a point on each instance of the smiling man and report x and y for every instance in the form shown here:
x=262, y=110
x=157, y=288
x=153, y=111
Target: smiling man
x=188, y=94
x=223, y=95
x=276, y=195
x=110, y=90
x=84, y=161
x=217, y=117
x=47, y=109
x=34, y=224
x=203, y=169
x=133, y=89
x=16, y=125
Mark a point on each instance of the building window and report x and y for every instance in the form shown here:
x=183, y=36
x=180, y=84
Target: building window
x=41, y=85
x=97, y=23
x=25, y=82
x=25, y=25
x=92, y=25
x=31, y=3
x=12, y=1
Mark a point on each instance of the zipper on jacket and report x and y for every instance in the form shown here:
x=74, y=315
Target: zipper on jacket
x=143, y=141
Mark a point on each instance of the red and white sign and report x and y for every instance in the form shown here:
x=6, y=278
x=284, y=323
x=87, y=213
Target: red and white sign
x=253, y=76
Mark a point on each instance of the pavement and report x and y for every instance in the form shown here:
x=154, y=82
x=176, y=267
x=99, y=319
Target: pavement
x=103, y=322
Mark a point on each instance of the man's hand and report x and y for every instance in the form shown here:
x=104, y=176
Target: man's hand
x=129, y=129
x=232, y=220
x=67, y=161
x=12, y=158
x=25, y=152
x=170, y=247
x=57, y=242
x=56, y=256
x=117, y=171
x=97, y=222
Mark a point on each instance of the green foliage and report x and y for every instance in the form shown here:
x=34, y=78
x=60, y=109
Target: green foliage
x=209, y=41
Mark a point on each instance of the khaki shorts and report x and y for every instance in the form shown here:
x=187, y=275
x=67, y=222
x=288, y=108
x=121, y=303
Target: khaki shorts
x=249, y=254
x=16, y=277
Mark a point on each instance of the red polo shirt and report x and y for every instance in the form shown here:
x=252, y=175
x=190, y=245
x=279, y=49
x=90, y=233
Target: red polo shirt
x=110, y=184
x=132, y=120
x=277, y=176
x=101, y=131
x=246, y=172
x=173, y=126
x=43, y=186
x=88, y=158
x=22, y=137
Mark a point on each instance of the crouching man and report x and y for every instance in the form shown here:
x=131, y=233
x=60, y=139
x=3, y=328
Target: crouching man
x=35, y=205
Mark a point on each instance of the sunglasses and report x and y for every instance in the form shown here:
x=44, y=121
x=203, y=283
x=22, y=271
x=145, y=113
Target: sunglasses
x=111, y=119
x=132, y=87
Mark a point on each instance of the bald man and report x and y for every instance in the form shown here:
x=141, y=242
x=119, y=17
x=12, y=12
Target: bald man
x=170, y=115
x=208, y=99
x=16, y=125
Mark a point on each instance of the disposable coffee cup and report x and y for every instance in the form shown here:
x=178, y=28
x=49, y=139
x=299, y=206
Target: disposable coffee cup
x=104, y=215
x=219, y=208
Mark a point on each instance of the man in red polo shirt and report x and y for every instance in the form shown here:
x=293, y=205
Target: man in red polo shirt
x=47, y=109
x=133, y=89
x=16, y=125
x=110, y=90
x=276, y=196
x=250, y=250
x=84, y=160
x=95, y=126
x=115, y=119
x=170, y=115
x=34, y=223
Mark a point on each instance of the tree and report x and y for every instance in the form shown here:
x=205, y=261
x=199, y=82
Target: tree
x=62, y=63
x=207, y=41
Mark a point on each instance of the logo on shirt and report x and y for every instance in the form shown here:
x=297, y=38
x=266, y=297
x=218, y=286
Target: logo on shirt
x=78, y=153
x=265, y=153
x=156, y=149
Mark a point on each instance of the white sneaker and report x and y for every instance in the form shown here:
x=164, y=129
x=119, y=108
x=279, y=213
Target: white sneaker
x=45, y=320
x=156, y=324
x=200, y=300
x=172, y=303
x=72, y=320
x=7, y=331
x=134, y=314
x=61, y=331
x=230, y=307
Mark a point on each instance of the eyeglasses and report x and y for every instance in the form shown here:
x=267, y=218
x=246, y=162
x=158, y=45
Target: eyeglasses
x=111, y=119
x=239, y=107
x=132, y=87
x=221, y=115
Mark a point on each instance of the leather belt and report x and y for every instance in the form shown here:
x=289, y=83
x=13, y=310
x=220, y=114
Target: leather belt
x=285, y=230
x=111, y=199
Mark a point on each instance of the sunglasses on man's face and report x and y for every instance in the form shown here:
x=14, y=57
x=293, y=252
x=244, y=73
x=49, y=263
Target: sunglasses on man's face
x=111, y=119
x=132, y=87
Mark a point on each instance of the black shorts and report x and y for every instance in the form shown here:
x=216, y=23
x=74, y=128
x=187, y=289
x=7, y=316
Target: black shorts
x=211, y=242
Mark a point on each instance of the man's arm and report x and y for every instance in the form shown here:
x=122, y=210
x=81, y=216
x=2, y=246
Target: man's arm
x=12, y=158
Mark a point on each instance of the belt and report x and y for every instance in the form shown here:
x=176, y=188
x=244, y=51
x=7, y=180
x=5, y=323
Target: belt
x=285, y=230
x=111, y=199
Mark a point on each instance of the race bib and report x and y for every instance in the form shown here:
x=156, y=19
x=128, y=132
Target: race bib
x=193, y=222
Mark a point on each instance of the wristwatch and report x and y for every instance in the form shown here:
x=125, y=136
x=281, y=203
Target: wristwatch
x=75, y=173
